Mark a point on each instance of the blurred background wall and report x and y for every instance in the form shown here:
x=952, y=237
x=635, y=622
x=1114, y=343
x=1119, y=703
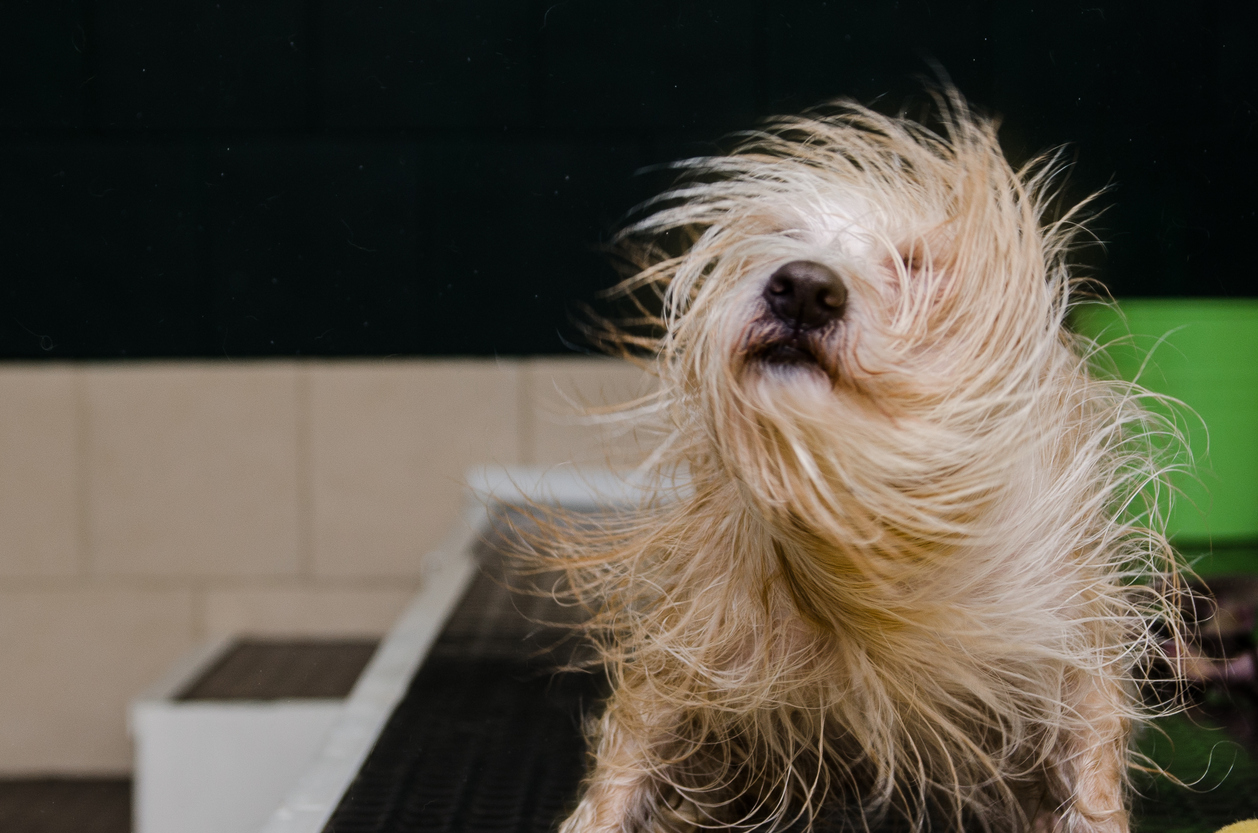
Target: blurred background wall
x=146, y=507
x=275, y=273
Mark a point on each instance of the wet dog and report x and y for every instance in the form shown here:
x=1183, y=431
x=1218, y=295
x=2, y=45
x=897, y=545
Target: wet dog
x=915, y=575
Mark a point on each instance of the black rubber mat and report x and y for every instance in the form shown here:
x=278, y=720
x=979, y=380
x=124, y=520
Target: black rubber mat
x=257, y=669
x=487, y=738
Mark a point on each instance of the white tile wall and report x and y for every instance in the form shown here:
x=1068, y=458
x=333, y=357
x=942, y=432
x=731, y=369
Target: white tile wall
x=147, y=506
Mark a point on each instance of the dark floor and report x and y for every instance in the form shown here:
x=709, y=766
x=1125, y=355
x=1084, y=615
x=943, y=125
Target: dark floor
x=65, y=805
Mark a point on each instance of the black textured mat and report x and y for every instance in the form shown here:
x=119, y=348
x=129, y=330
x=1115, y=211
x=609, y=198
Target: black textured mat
x=258, y=669
x=65, y=805
x=487, y=738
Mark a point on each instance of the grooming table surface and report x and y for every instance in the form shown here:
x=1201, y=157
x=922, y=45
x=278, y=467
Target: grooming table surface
x=488, y=736
x=487, y=739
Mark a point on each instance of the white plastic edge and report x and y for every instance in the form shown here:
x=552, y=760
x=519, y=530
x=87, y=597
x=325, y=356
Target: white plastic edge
x=575, y=487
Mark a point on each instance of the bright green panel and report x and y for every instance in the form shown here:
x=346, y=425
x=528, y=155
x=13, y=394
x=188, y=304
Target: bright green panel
x=1222, y=501
x=1203, y=352
x=1200, y=338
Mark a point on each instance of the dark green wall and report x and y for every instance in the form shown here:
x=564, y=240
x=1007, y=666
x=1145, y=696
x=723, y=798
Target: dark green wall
x=343, y=177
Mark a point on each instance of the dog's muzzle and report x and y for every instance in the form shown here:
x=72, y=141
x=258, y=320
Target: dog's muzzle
x=802, y=296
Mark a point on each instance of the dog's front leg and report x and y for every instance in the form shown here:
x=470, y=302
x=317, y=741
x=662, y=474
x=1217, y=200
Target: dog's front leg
x=1091, y=766
x=620, y=795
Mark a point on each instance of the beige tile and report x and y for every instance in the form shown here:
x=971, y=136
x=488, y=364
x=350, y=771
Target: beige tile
x=568, y=404
x=40, y=519
x=193, y=469
x=390, y=443
x=299, y=611
x=72, y=659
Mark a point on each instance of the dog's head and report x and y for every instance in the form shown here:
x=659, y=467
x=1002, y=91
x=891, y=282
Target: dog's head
x=865, y=328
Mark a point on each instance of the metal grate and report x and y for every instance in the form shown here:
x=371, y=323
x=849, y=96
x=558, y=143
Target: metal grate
x=488, y=736
x=284, y=669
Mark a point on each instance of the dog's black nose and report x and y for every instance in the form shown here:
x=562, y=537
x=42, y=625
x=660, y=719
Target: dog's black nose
x=805, y=294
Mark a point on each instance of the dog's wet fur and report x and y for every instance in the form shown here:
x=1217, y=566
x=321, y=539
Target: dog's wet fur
x=916, y=572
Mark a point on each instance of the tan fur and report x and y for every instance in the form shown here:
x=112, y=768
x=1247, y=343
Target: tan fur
x=918, y=581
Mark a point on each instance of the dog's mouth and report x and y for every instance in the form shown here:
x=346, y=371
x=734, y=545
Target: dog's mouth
x=790, y=351
x=786, y=352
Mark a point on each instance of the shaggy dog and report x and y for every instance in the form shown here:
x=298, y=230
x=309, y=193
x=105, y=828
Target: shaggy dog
x=915, y=574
